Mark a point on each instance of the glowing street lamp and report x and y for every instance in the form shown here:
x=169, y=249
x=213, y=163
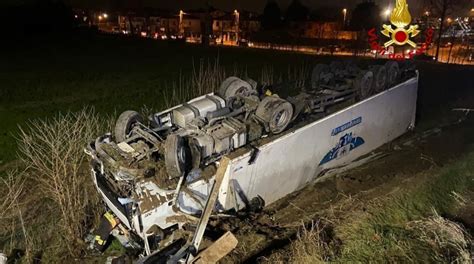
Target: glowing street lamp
x=181, y=14
x=449, y=20
x=100, y=18
x=344, y=12
x=427, y=13
x=237, y=16
x=105, y=15
x=237, y=22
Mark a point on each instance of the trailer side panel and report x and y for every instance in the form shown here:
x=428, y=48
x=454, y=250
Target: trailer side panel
x=297, y=158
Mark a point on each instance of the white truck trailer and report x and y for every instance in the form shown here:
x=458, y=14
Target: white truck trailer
x=242, y=148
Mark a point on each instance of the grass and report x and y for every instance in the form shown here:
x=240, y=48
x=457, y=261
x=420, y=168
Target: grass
x=51, y=202
x=409, y=225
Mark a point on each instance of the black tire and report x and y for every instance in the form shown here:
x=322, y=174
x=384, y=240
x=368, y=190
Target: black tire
x=277, y=113
x=336, y=67
x=393, y=72
x=364, y=84
x=177, y=156
x=351, y=68
x=380, y=78
x=318, y=76
x=233, y=86
x=125, y=123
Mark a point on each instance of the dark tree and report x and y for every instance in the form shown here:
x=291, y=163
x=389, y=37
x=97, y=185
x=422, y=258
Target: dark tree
x=296, y=11
x=271, y=18
x=206, y=25
x=365, y=16
x=128, y=8
x=442, y=9
x=327, y=14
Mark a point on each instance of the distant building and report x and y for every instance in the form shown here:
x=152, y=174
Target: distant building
x=221, y=27
x=230, y=28
x=321, y=30
x=249, y=24
x=190, y=28
x=225, y=29
x=132, y=23
x=169, y=25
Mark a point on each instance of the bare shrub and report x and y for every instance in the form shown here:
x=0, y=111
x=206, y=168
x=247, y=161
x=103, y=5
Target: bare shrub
x=298, y=74
x=267, y=75
x=449, y=241
x=206, y=77
x=52, y=152
x=12, y=190
x=11, y=216
x=312, y=245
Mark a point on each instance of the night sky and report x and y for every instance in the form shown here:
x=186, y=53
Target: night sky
x=250, y=5
x=258, y=5
x=416, y=6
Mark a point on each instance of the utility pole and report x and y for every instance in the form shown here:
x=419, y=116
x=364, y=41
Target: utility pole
x=441, y=27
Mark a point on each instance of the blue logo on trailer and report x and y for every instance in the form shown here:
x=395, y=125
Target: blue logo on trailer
x=345, y=145
x=346, y=126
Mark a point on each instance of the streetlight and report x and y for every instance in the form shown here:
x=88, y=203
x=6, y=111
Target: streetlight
x=449, y=20
x=387, y=12
x=344, y=11
x=427, y=13
x=237, y=21
x=181, y=14
x=105, y=15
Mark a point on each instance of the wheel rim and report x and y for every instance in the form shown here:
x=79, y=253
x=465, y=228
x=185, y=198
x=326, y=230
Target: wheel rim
x=281, y=118
x=365, y=84
x=381, y=78
x=181, y=155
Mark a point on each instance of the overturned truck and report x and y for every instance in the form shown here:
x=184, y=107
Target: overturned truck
x=242, y=148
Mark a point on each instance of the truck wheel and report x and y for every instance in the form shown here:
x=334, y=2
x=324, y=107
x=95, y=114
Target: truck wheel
x=351, y=68
x=380, y=78
x=393, y=72
x=363, y=84
x=234, y=86
x=176, y=156
x=320, y=75
x=277, y=113
x=125, y=123
x=337, y=68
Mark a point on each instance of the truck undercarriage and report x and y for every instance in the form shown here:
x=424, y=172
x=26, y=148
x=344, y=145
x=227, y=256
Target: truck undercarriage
x=163, y=177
